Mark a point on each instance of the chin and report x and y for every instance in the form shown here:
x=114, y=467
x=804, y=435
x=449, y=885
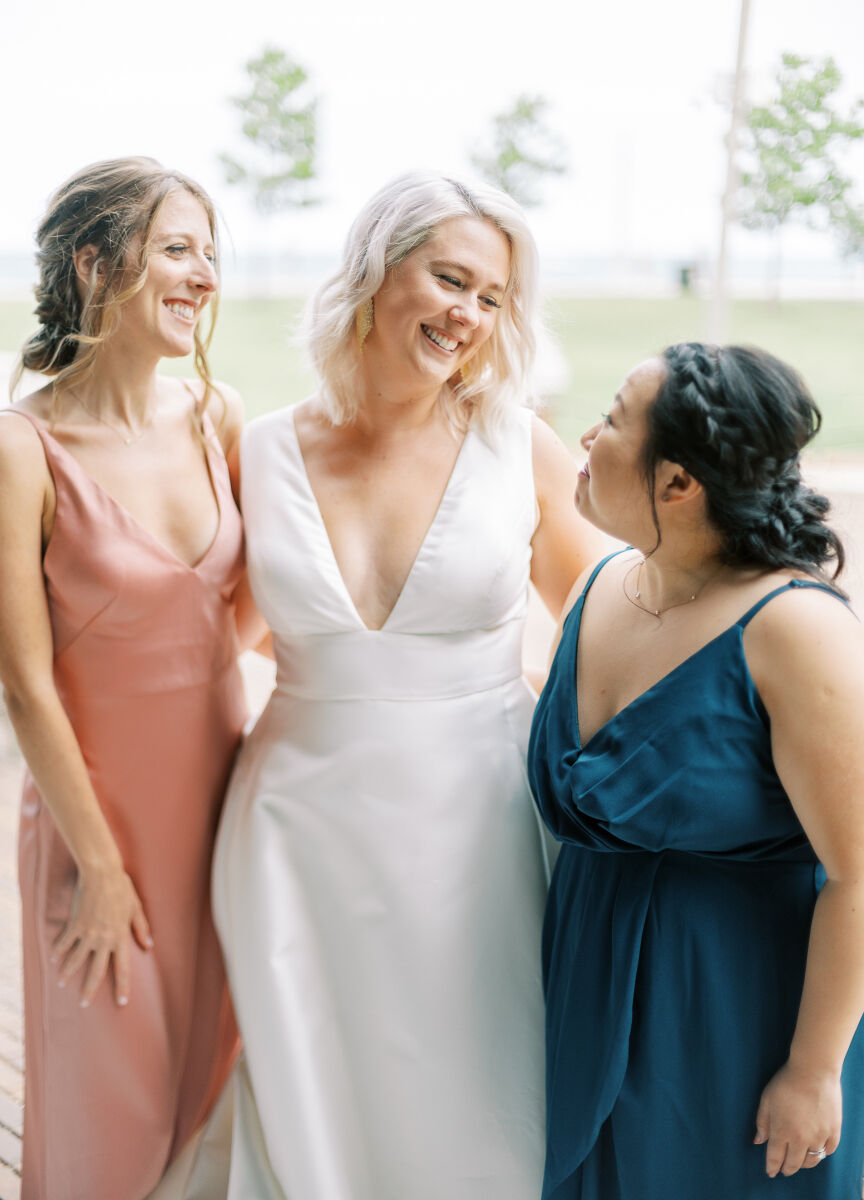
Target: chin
x=178, y=351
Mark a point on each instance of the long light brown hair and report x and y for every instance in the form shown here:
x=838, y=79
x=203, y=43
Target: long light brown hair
x=111, y=205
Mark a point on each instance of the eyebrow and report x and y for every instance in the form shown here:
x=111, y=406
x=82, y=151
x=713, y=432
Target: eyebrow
x=457, y=266
x=183, y=237
x=620, y=400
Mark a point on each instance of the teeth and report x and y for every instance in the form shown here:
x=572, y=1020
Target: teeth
x=439, y=339
x=181, y=310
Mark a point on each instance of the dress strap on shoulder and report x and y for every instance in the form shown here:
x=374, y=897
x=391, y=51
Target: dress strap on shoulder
x=599, y=567
x=49, y=442
x=785, y=587
x=19, y=412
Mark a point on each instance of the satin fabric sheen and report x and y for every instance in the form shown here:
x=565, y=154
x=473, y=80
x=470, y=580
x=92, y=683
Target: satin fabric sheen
x=145, y=666
x=675, y=938
x=380, y=876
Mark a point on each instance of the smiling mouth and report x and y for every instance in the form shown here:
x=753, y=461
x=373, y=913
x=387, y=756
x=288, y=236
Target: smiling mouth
x=186, y=312
x=440, y=339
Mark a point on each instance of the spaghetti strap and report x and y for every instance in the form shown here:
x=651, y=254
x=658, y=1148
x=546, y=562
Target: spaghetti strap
x=49, y=442
x=598, y=568
x=742, y=622
x=19, y=412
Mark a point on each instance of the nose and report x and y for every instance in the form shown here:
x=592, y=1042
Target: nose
x=587, y=438
x=466, y=311
x=204, y=276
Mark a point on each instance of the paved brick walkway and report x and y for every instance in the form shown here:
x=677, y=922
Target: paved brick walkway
x=842, y=479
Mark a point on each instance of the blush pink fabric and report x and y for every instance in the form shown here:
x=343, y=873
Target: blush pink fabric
x=145, y=662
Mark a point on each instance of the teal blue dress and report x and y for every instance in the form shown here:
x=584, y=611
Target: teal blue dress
x=675, y=938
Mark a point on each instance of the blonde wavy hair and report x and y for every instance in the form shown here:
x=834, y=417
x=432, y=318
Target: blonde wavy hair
x=111, y=205
x=396, y=221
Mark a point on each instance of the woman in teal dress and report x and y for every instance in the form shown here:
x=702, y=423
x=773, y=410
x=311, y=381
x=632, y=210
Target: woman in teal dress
x=698, y=752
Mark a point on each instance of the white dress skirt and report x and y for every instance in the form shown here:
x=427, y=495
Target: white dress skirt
x=380, y=874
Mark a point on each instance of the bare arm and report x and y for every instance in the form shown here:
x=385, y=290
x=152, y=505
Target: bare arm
x=229, y=427
x=563, y=543
x=807, y=658
x=252, y=631
x=106, y=906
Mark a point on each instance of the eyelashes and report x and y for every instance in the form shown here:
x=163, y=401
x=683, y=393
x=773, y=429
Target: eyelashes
x=179, y=249
x=457, y=283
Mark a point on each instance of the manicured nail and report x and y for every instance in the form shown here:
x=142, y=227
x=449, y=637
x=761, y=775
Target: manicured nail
x=122, y=999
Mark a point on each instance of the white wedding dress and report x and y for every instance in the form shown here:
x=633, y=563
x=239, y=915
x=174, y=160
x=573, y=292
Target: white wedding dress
x=380, y=873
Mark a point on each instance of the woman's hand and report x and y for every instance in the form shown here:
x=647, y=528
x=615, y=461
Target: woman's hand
x=799, y=1114
x=106, y=912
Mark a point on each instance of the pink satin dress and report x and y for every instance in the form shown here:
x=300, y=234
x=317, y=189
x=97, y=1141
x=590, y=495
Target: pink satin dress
x=145, y=663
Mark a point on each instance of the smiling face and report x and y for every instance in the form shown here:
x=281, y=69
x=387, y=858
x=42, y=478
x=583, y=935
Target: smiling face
x=179, y=282
x=439, y=305
x=611, y=491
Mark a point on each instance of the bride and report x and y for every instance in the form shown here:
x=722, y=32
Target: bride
x=380, y=877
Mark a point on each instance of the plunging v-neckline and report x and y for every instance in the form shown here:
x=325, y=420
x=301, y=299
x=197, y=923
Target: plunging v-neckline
x=334, y=562
x=665, y=678
x=737, y=625
x=124, y=511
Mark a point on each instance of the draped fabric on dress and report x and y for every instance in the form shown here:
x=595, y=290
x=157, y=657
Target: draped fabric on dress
x=145, y=666
x=675, y=938
x=380, y=874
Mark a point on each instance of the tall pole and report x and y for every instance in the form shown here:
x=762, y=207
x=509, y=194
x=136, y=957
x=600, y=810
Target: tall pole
x=718, y=322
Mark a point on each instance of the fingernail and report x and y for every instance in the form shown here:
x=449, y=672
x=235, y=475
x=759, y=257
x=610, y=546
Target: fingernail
x=122, y=999
x=61, y=982
x=149, y=941
x=53, y=958
x=85, y=1003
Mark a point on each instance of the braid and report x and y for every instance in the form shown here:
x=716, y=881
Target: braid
x=737, y=418
x=110, y=206
x=58, y=308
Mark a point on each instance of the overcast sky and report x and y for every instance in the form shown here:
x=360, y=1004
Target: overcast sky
x=632, y=90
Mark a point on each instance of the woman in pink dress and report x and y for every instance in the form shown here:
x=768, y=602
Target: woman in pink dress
x=121, y=554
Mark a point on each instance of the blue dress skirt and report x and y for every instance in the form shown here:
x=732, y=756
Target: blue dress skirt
x=675, y=939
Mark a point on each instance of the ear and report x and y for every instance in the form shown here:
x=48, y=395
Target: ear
x=85, y=260
x=675, y=484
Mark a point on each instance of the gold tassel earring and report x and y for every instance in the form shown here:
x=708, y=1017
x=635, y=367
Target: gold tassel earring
x=364, y=321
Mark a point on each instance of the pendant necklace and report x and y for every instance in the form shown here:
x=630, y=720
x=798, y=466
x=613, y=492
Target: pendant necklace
x=658, y=612
x=127, y=440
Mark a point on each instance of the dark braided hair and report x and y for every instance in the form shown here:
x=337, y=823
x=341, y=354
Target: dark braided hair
x=736, y=419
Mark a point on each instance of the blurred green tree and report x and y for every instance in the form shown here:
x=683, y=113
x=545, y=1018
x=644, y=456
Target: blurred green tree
x=521, y=151
x=790, y=154
x=282, y=130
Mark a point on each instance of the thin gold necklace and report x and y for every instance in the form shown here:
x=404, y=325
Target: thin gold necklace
x=126, y=440
x=658, y=612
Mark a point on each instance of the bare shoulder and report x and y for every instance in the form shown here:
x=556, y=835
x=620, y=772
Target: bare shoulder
x=555, y=469
x=20, y=444
x=547, y=448
x=615, y=567
x=24, y=473
x=224, y=406
x=233, y=404
x=37, y=404
x=307, y=415
x=316, y=433
x=804, y=634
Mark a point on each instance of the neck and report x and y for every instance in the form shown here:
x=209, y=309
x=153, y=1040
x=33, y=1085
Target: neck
x=122, y=390
x=672, y=576
x=387, y=411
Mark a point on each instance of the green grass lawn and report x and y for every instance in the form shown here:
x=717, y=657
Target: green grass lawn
x=256, y=348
